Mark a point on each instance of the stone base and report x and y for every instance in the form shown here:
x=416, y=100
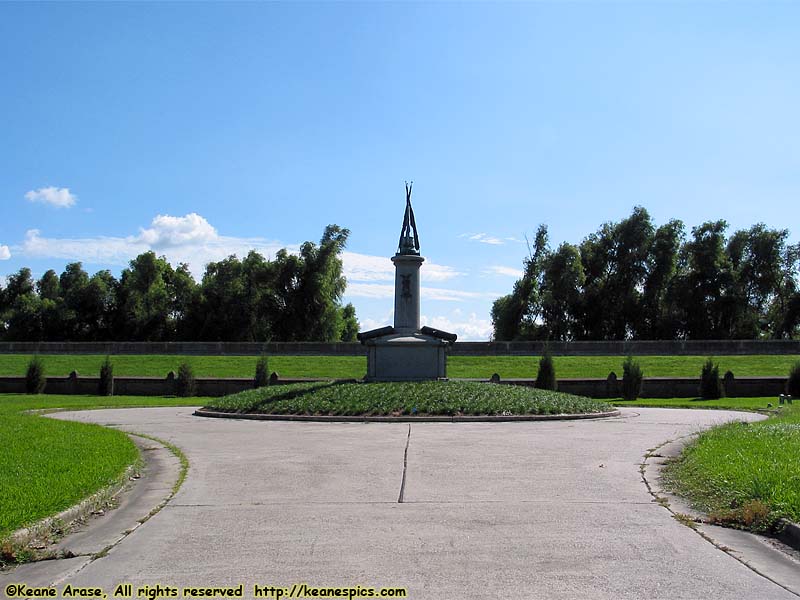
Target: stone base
x=406, y=357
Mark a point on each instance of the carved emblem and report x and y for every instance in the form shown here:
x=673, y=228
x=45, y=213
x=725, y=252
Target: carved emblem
x=405, y=287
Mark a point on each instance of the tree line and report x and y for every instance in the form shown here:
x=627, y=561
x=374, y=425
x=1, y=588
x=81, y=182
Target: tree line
x=633, y=280
x=293, y=297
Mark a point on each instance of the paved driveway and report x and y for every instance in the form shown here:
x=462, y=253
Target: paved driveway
x=489, y=510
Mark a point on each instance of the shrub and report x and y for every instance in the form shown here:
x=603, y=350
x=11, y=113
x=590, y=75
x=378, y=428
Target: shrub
x=710, y=384
x=262, y=372
x=546, y=377
x=185, y=384
x=631, y=379
x=729, y=383
x=106, y=385
x=793, y=385
x=35, y=379
x=612, y=385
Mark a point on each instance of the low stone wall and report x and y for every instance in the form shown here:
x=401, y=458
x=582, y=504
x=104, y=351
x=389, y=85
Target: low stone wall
x=595, y=348
x=652, y=387
x=666, y=387
x=185, y=348
x=634, y=348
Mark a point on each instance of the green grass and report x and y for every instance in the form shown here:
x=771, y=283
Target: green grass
x=428, y=398
x=743, y=474
x=355, y=366
x=203, y=366
x=47, y=465
x=600, y=366
x=749, y=404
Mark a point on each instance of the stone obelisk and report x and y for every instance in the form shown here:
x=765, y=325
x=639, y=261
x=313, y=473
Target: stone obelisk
x=407, y=262
x=406, y=352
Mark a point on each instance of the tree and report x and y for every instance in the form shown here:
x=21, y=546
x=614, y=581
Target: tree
x=99, y=306
x=145, y=303
x=519, y=314
x=756, y=257
x=784, y=312
x=291, y=298
x=48, y=286
x=633, y=238
x=73, y=283
x=350, y=327
x=615, y=261
x=597, y=256
x=22, y=315
x=224, y=309
x=701, y=284
x=561, y=293
x=51, y=306
x=505, y=324
x=322, y=287
x=658, y=319
x=184, y=295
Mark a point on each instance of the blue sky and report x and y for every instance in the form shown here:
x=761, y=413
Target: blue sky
x=201, y=130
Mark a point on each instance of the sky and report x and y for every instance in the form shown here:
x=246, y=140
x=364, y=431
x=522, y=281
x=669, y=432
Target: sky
x=204, y=130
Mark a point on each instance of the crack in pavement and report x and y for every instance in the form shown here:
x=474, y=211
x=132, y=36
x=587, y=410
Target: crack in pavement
x=405, y=467
x=379, y=502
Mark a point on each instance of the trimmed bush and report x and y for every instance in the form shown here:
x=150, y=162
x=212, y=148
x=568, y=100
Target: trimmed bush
x=710, y=384
x=546, y=377
x=631, y=379
x=185, y=384
x=612, y=385
x=106, y=385
x=262, y=372
x=35, y=379
x=729, y=383
x=793, y=385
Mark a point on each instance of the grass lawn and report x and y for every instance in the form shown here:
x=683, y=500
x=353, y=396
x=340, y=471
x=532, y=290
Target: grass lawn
x=753, y=404
x=743, y=474
x=428, y=398
x=356, y=366
x=48, y=465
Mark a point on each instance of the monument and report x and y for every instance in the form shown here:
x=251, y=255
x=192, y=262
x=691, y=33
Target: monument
x=406, y=352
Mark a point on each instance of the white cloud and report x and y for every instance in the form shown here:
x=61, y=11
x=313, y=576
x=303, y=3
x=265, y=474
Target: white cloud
x=5, y=253
x=168, y=231
x=368, y=324
x=58, y=197
x=385, y=290
x=483, y=238
x=368, y=268
x=193, y=240
x=189, y=239
x=468, y=329
x=370, y=290
x=501, y=270
x=363, y=267
x=109, y=250
x=471, y=329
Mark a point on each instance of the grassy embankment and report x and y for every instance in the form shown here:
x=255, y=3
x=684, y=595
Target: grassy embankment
x=428, y=398
x=355, y=366
x=48, y=465
x=744, y=474
x=750, y=404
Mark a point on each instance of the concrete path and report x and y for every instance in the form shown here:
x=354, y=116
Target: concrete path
x=490, y=510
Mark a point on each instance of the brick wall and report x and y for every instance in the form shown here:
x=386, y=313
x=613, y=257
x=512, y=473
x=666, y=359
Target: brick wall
x=598, y=348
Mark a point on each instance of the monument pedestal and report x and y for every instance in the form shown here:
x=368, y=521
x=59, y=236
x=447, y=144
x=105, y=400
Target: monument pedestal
x=411, y=356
